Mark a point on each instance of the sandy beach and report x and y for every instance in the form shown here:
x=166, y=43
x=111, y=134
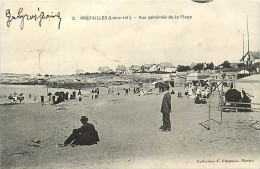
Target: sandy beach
x=129, y=135
x=54, y=54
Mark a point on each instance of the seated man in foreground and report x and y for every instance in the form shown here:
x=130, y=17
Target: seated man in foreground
x=85, y=135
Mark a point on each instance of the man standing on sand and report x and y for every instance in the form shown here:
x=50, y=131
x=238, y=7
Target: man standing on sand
x=42, y=99
x=79, y=93
x=85, y=135
x=165, y=110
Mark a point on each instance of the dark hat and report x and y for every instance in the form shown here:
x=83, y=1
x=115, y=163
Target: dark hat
x=83, y=118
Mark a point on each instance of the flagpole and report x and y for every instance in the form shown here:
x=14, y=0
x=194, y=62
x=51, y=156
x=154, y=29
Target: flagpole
x=243, y=53
x=248, y=46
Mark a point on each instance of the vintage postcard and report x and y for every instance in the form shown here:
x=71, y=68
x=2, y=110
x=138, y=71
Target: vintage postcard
x=130, y=84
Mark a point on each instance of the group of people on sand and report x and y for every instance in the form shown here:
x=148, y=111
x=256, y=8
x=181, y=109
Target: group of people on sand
x=95, y=93
x=126, y=90
x=16, y=97
x=195, y=91
x=62, y=96
x=137, y=89
x=192, y=91
x=162, y=87
x=56, y=98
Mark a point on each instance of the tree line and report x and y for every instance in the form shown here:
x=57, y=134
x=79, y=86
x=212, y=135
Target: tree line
x=226, y=65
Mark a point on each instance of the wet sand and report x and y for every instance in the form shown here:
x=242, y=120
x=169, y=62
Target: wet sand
x=129, y=134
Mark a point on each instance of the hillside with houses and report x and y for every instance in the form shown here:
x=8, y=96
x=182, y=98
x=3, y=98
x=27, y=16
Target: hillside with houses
x=250, y=62
x=150, y=72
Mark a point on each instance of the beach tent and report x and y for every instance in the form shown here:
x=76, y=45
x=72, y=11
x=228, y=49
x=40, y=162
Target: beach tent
x=162, y=83
x=216, y=76
x=251, y=85
x=242, y=73
x=204, y=75
x=157, y=83
x=179, y=81
x=192, y=76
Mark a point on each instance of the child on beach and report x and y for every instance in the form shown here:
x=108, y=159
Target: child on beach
x=42, y=99
x=80, y=98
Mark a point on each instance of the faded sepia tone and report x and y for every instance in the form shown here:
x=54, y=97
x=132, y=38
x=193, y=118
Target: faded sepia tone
x=75, y=50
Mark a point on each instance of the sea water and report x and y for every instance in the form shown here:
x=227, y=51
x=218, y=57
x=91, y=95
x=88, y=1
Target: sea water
x=34, y=90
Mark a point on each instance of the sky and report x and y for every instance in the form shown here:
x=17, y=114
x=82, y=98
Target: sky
x=214, y=34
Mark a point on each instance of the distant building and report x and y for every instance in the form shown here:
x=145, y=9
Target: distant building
x=234, y=65
x=39, y=78
x=204, y=75
x=166, y=67
x=199, y=78
x=121, y=69
x=135, y=69
x=11, y=75
x=105, y=70
x=230, y=75
x=128, y=71
x=79, y=71
x=193, y=65
x=251, y=58
x=149, y=67
x=215, y=76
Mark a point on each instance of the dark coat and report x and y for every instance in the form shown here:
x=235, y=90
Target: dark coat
x=87, y=134
x=166, y=103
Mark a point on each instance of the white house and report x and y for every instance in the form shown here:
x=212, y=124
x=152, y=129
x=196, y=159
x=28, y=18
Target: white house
x=121, y=69
x=251, y=58
x=79, y=71
x=105, y=69
x=128, y=71
x=149, y=67
x=166, y=67
x=135, y=69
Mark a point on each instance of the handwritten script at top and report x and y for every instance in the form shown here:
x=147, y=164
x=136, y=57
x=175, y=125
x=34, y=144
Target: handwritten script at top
x=36, y=17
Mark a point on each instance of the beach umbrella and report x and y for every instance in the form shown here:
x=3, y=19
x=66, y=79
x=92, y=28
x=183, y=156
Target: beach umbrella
x=233, y=95
x=251, y=85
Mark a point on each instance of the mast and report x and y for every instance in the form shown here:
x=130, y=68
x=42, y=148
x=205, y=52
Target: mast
x=244, y=54
x=249, y=62
x=243, y=47
x=247, y=34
